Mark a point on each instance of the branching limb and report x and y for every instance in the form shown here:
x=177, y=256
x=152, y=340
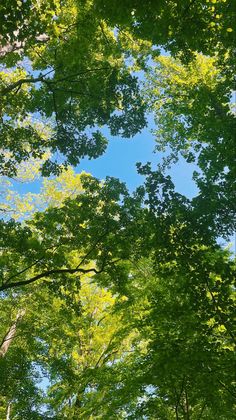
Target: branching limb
x=41, y=78
x=49, y=273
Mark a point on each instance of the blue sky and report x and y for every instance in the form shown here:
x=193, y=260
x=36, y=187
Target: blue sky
x=122, y=155
x=120, y=160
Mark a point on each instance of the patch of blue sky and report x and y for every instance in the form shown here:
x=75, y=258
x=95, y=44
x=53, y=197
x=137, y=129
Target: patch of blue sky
x=120, y=160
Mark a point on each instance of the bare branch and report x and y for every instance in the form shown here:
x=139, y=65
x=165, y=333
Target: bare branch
x=48, y=274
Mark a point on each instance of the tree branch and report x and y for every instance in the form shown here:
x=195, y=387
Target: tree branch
x=25, y=269
x=7, y=340
x=92, y=248
x=202, y=410
x=48, y=274
x=42, y=79
x=233, y=394
x=19, y=83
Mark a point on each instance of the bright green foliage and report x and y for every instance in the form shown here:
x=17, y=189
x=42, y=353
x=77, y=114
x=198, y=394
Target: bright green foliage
x=74, y=332
x=116, y=305
x=73, y=75
x=185, y=369
x=97, y=224
x=53, y=192
x=162, y=346
x=89, y=343
x=19, y=375
x=192, y=108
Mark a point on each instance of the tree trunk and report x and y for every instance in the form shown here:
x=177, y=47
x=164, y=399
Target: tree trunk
x=8, y=411
x=7, y=340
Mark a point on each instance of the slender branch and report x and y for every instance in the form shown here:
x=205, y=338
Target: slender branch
x=25, y=269
x=202, y=410
x=179, y=398
x=103, y=33
x=55, y=106
x=233, y=394
x=111, y=354
x=42, y=79
x=6, y=210
x=101, y=319
x=104, y=352
x=176, y=412
x=186, y=405
x=92, y=249
x=67, y=28
x=74, y=92
x=54, y=247
x=48, y=274
x=19, y=83
x=81, y=73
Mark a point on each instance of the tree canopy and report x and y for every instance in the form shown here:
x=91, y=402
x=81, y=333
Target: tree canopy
x=116, y=304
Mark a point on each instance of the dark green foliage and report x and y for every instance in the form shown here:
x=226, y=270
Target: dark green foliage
x=181, y=26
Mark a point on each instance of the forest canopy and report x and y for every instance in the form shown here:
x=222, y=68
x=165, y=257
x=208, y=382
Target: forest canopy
x=117, y=304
